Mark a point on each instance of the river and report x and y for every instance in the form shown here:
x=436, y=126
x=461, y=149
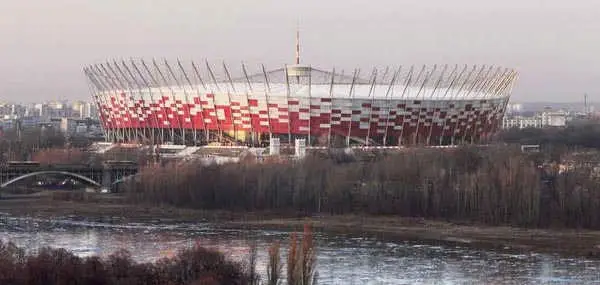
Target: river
x=341, y=259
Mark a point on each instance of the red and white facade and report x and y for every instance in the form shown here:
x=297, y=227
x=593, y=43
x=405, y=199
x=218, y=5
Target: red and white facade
x=193, y=104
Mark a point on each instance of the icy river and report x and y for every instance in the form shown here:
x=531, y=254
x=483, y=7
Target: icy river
x=341, y=259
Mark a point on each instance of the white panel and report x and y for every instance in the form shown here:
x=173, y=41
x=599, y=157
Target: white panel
x=220, y=114
x=303, y=116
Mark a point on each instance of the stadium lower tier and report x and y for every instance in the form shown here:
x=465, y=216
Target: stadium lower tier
x=383, y=122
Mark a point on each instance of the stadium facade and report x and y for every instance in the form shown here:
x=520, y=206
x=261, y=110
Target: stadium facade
x=196, y=104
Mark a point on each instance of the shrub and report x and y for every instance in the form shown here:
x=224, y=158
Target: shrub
x=58, y=266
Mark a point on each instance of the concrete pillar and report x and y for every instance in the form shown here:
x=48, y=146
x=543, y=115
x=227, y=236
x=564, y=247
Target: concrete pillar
x=300, y=150
x=274, y=146
x=106, y=177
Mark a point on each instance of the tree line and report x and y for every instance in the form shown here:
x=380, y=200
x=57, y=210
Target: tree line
x=51, y=146
x=497, y=185
x=23, y=144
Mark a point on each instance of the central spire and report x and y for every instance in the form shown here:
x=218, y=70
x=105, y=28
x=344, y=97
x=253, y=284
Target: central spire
x=296, y=70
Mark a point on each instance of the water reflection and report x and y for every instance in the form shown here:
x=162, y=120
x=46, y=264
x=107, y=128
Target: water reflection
x=341, y=259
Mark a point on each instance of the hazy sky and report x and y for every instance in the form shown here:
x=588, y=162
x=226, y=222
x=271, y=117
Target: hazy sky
x=554, y=44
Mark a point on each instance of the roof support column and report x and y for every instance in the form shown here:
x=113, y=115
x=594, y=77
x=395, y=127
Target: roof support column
x=351, y=94
x=403, y=99
x=448, y=115
x=330, y=106
x=212, y=76
x=453, y=132
x=425, y=80
x=205, y=90
x=370, y=117
x=389, y=95
x=436, y=102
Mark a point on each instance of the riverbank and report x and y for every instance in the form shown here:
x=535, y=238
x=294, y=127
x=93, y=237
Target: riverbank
x=114, y=209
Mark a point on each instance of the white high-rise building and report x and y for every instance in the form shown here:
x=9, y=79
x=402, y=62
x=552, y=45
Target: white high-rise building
x=544, y=119
x=554, y=118
x=86, y=110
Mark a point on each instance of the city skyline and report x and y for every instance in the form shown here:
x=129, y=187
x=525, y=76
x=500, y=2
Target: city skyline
x=551, y=43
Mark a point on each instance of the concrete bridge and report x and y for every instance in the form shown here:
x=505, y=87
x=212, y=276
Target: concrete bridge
x=104, y=175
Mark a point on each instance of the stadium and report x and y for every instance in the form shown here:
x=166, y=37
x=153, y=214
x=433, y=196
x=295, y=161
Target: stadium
x=187, y=103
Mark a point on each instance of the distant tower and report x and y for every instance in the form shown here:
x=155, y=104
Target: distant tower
x=298, y=45
x=585, y=105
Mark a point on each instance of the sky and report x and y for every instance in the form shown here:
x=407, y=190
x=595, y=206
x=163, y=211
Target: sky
x=553, y=44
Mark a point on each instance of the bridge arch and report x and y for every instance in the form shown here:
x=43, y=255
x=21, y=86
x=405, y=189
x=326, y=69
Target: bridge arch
x=124, y=178
x=65, y=173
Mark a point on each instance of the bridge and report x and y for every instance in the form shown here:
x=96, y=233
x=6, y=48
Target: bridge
x=101, y=175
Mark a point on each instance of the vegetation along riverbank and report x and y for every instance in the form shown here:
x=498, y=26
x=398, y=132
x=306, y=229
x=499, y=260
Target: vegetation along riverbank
x=495, y=186
x=193, y=266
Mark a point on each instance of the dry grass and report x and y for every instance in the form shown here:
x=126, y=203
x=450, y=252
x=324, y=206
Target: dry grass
x=302, y=257
x=274, y=264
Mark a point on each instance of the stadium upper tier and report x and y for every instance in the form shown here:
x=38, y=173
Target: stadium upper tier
x=440, y=103
x=453, y=83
